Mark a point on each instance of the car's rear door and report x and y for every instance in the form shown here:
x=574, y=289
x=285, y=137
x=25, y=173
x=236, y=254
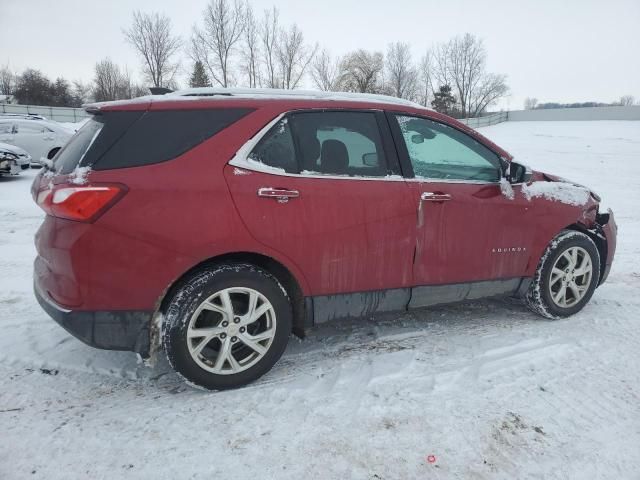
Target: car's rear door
x=322, y=189
x=472, y=238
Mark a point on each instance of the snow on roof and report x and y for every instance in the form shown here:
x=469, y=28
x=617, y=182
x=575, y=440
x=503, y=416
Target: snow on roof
x=277, y=93
x=257, y=94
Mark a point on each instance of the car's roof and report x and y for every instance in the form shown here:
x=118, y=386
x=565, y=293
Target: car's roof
x=280, y=101
x=258, y=97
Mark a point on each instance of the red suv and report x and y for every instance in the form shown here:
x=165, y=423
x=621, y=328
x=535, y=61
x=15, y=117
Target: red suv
x=216, y=222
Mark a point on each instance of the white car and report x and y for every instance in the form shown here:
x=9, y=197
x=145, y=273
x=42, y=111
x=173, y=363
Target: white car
x=13, y=159
x=40, y=138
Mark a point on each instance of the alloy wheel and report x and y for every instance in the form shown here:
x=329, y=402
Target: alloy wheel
x=231, y=330
x=570, y=277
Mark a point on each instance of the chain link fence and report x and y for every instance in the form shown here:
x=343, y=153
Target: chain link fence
x=59, y=114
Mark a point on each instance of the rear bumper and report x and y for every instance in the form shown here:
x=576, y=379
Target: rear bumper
x=108, y=330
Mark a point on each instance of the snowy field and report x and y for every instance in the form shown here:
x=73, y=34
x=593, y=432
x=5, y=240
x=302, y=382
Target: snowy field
x=488, y=388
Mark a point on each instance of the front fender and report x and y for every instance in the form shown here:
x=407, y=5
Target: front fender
x=552, y=214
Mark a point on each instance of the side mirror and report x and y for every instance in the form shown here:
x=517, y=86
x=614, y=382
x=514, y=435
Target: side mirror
x=370, y=159
x=518, y=173
x=417, y=138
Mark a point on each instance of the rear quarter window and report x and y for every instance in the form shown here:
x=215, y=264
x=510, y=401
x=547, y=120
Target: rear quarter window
x=73, y=152
x=158, y=136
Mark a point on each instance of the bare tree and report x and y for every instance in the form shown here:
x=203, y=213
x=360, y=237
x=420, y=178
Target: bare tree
x=402, y=76
x=108, y=81
x=490, y=88
x=530, y=103
x=81, y=93
x=293, y=57
x=129, y=88
x=441, y=62
x=362, y=71
x=461, y=63
x=325, y=72
x=627, y=100
x=269, y=37
x=467, y=62
x=214, y=44
x=150, y=34
x=111, y=82
x=251, y=51
x=8, y=80
x=425, y=79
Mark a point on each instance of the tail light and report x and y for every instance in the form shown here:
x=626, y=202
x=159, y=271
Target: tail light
x=83, y=203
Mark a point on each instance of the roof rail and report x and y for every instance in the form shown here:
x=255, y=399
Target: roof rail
x=159, y=90
x=263, y=93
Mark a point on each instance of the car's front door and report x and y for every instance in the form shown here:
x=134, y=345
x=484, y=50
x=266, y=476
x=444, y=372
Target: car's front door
x=472, y=237
x=319, y=188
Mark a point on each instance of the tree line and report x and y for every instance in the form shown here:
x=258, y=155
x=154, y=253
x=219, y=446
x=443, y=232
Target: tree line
x=233, y=46
x=531, y=103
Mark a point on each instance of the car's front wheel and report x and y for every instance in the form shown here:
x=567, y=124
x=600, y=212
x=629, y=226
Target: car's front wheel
x=566, y=277
x=227, y=326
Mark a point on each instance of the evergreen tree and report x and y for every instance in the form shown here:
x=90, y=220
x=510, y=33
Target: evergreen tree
x=199, y=77
x=61, y=93
x=443, y=100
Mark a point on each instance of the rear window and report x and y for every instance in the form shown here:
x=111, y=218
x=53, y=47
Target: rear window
x=132, y=139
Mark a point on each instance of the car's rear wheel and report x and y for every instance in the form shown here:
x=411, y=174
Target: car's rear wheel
x=227, y=326
x=566, y=277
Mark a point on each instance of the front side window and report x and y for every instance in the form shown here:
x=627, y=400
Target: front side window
x=339, y=143
x=438, y=151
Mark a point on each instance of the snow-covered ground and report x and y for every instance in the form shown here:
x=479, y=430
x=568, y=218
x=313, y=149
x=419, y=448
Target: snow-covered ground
x=488, y=388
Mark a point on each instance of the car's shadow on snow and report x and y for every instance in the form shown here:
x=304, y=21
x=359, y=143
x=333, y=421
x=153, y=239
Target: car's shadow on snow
x=13, y=178
x=341, y=340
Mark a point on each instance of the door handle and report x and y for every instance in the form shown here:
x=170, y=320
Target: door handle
x=282, y=195
x=434, y=197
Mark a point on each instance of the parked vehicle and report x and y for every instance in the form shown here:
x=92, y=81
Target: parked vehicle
x=216, y=222
x=13, y=159
x=40, y=138
x=26, y=116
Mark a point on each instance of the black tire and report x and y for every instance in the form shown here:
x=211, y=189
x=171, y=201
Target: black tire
x=52, y=153
x=201, y=286
x=538, y=297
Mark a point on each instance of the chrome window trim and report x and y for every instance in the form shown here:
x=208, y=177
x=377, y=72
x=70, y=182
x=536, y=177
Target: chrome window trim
x=241, y=160
x=451, y=180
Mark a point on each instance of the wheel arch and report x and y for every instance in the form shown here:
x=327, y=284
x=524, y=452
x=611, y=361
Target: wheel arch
x=598, y=238
x=283, y=274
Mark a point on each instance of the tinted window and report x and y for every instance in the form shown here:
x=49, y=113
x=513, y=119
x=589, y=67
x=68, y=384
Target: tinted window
x=438, y=151
x=158, y=136
x=339, y=143
x=73, y=152
x=276, y=148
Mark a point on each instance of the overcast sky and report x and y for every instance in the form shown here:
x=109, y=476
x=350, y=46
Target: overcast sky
x=564, y=51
